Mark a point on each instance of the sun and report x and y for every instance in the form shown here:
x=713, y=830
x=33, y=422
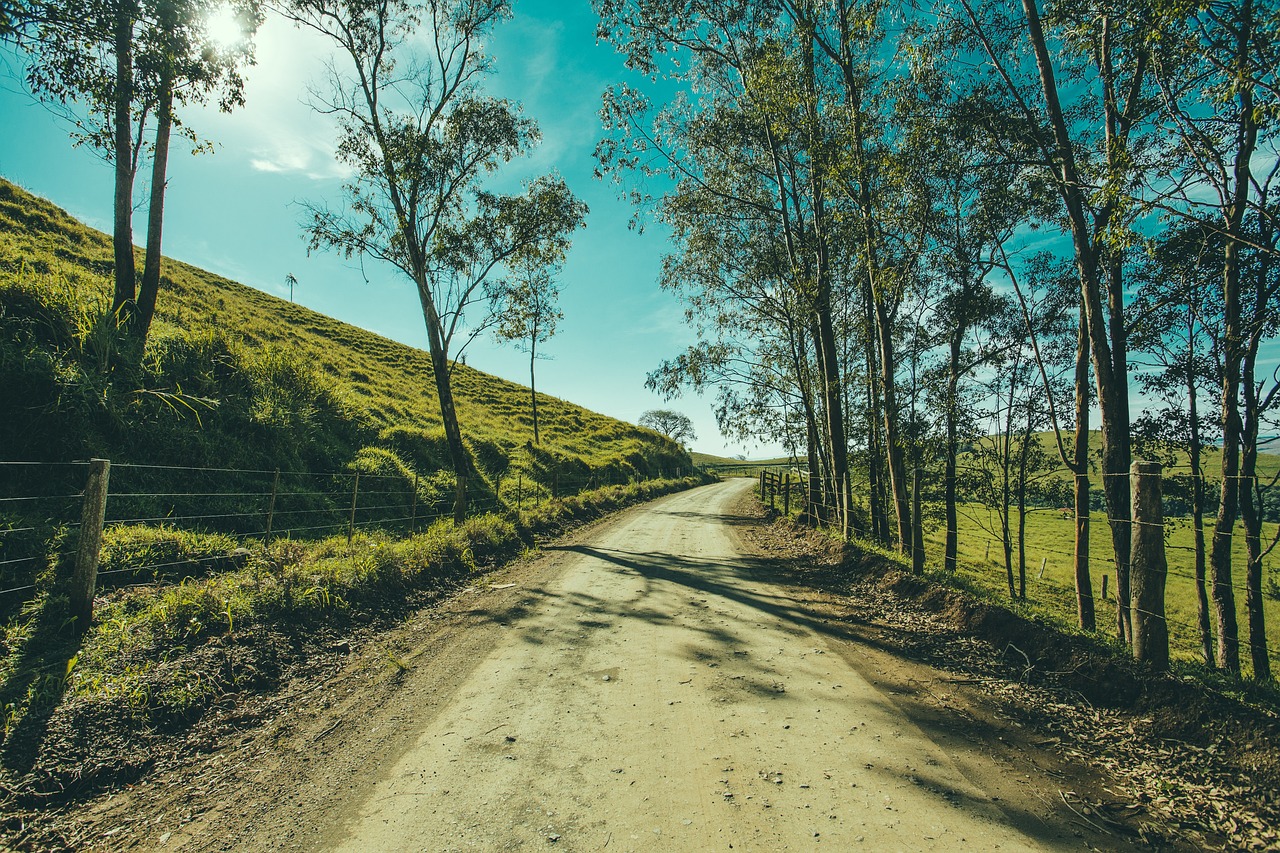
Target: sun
x=223, y=27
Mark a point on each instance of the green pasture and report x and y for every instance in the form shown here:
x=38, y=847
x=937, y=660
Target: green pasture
x=1050, y=537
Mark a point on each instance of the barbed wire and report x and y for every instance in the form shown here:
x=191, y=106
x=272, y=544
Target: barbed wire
x=347, y=507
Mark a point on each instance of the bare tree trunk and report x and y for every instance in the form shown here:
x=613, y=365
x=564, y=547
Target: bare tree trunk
x=533, y=390
x=1022, y=507
x=1108, y=367
x=1085, y=609
x=893, y=444
x=1251, y=498
x=461, y=462
x=875, y=449
x=1116, y=444
x=1006, y=487
x=150, y=286
x=952, y=451
x=917, y=527
x=122, y=120
x=1196, y=453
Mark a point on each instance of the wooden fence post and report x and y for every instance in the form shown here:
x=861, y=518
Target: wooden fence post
x=1148, y=568
x=413, y=507
x=84, y=578
x=786, y=493
x=355, y=494
x=271, y=507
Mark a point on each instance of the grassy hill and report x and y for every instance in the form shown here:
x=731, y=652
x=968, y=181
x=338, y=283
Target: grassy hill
x=236, y=378
x=278, y=479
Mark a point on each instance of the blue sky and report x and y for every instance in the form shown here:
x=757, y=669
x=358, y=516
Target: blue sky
x=235, y=212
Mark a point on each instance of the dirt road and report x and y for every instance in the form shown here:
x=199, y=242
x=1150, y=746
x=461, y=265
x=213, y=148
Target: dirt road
x=642, y=686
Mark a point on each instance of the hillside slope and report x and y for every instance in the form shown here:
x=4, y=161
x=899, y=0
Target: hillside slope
x=231, y=374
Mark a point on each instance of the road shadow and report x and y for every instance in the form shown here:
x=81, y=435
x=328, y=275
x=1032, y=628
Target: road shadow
x=771, y=589
x=36, y=684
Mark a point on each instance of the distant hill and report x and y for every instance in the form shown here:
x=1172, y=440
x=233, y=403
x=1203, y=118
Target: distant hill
x=238, y=378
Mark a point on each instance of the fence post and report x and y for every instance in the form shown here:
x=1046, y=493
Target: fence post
x=519, y=494
x=84, y=578
x=1148, y=568
x=355, y=494
x=271, y=507
x=762, y=493
x=786, y=494
x=413, y=507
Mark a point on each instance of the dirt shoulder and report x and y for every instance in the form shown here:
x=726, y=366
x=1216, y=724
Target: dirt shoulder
x=1055, y=763
x=1150, y=759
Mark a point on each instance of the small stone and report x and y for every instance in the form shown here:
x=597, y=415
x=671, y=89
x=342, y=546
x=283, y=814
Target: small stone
x=605, y=678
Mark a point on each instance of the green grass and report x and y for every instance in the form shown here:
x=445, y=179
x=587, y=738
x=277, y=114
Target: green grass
x=260, y=362
x=239, y=384
x=1050, y=537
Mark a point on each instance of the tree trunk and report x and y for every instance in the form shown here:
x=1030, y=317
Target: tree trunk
x=1116, y=445
x=1197, y=507
x=952, y=451
x=1109, y=373
x=1085, y=609
x=1250, y=496
x=533, y=391
x=1251, y=516
x=917, y=527
x=444, y=391
x=150, y=286
x=1022, y=508
x=893, y=444
x=122, y=121
x=875, y=451
x=1006, y=486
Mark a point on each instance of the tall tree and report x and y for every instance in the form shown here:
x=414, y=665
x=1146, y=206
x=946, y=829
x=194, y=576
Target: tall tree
x=117, y=66
x=1080, y=82
x=1220, y=95
x=1178, y=318
x=528, y=300
x=420, y=136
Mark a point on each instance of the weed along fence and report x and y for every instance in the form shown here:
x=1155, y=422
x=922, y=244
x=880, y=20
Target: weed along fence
x=1164, y=587
x=81, y=525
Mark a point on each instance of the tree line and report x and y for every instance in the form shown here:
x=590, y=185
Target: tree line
x=416, y=130
x=909, y=236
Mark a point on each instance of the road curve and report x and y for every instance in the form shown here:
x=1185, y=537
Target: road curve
x=657, y=693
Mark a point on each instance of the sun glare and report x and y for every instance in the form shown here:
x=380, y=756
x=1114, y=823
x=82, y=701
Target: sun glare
x=223, y=27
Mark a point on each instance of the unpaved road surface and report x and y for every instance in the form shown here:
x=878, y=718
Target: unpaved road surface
x=642, y=685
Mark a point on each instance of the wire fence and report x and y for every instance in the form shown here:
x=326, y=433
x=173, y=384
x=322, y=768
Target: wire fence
x=41, y=507
x=1048, y=551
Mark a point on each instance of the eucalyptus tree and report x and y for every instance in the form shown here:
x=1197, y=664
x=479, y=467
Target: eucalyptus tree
x=117, y=66
x=749, y=70
x=1079, y=79
x=419, y=136
x=1220, y=95
x=1177, y=334
x=973, y=200
x=528, y=310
